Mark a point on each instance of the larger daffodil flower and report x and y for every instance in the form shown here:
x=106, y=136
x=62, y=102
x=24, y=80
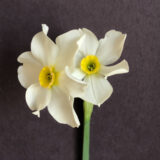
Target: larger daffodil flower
x=90, y=64
x=43, y=74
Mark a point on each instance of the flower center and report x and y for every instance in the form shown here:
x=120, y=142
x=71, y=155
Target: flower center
x=90, y=64
x=48, y=77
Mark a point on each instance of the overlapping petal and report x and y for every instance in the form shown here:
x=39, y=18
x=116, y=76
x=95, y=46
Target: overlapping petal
x=77, y=59
x=74, y=86
x=67, y=48
x=28, y=73
x=88, y=43
x=37, y=97
x=119, y=68
x=44, y=49
x=110, y=48
x=61, y=108
x=75, y=72
x=98, y=89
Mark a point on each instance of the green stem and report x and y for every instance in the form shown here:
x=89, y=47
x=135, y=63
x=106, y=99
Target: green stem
x=88, y=108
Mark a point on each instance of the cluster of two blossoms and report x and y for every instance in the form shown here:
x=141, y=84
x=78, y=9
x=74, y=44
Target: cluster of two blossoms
x=54, y=74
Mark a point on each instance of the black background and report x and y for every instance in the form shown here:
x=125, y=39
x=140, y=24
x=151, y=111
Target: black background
x=127, y=126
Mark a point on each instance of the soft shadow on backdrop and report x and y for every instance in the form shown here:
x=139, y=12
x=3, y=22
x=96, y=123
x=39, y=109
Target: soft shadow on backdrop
x=127, y=126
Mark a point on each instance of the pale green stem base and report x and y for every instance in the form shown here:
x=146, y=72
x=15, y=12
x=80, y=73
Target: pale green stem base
x=87, y=108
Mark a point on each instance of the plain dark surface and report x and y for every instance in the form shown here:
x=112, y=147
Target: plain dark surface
x=127, y=126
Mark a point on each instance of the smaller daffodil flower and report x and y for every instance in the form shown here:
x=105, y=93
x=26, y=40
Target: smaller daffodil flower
x=47, y=81
x=90, y=64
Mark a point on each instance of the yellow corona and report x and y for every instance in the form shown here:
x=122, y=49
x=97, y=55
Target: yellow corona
x=48, y=77
x=90, y=64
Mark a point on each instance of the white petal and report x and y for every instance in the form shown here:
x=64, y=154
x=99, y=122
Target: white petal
x=45, y=29
x=74, y=86
x=44, y=49
x=37, y=97
x=28, y=73
x=67, y=44
x=98, y=89
x=36, y=113
x=75, y=72
x=88, y=44
x=26, y=57
x=119, y=68
x=61, y=108
x=110, y=48
x=77, y=59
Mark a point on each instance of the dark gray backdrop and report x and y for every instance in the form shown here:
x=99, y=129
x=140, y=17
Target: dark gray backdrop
x=127, y=126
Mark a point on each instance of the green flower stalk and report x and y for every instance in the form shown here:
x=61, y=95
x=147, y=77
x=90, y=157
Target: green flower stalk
x=88, y=108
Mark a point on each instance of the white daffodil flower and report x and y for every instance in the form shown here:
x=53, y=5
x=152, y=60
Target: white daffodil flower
x=90, y=64
x=44, y=75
